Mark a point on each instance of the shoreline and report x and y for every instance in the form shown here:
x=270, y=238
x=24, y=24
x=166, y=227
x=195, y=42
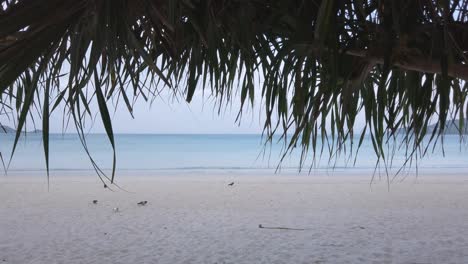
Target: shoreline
x=336, y=178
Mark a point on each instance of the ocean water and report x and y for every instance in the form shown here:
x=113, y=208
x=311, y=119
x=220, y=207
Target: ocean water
x=211, y=154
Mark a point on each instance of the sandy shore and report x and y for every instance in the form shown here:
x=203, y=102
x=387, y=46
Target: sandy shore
x=202, y=220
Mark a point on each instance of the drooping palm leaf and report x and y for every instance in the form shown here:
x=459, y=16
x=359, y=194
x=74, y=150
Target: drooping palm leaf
x=319, y=64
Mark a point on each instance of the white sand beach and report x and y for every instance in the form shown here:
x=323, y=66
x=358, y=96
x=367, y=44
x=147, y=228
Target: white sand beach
x=202, y=220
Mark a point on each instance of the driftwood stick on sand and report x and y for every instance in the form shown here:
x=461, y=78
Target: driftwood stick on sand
x=282, y=228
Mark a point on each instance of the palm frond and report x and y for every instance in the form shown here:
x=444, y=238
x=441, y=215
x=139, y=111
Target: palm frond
x=320, y=64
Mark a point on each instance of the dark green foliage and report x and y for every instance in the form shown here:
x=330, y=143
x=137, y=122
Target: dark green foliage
x=319, y=64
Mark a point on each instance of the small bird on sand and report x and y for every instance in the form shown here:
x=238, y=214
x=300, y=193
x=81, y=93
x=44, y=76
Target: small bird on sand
x=95, y=201
x=231, y=184
x=143, y=203
x=116, y=209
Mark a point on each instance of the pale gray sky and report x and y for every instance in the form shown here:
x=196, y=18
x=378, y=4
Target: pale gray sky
x=167, y=115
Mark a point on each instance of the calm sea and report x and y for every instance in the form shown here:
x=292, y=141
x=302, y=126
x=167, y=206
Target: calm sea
x=209, y=154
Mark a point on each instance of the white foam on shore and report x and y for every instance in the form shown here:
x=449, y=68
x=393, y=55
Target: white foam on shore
x=202, y=220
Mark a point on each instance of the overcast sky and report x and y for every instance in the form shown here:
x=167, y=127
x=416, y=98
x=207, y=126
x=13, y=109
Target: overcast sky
x=165, y=115
x=169, y=116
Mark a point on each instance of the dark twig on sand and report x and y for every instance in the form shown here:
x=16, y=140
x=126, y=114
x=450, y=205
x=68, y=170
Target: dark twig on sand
x=282, y=228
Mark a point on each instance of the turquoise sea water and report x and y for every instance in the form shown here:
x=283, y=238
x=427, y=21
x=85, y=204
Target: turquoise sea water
x=206, y=154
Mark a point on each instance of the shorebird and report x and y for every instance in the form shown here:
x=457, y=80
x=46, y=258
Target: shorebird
x=116, y=209
x=94, y=201
x=143, y=203
x=231, y=184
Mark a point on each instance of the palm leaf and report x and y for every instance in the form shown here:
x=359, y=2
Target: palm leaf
x=398, y=63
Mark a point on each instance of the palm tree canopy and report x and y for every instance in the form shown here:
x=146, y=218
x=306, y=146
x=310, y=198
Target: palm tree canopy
x=318, y=63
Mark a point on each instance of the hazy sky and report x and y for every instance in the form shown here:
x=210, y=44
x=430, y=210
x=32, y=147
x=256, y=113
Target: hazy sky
x=167, y=115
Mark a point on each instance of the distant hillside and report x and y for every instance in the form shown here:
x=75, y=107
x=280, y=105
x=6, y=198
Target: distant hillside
x=451, y=127
x=9, y=130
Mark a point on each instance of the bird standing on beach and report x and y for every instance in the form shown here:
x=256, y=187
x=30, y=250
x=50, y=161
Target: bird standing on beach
x=95, y=201
x=231, y=184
